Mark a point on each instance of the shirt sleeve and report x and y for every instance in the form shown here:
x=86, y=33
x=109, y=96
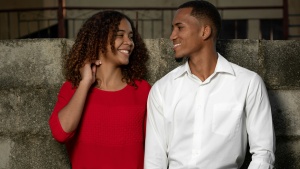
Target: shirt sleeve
x=260, y=126
x=156, y=144
x=63, y=98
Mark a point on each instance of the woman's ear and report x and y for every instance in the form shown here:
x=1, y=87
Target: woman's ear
x=98, y=62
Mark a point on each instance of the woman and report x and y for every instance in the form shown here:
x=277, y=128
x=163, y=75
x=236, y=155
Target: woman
x=101, y=108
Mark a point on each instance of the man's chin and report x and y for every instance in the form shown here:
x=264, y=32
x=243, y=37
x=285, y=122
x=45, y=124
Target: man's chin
x=180, y=59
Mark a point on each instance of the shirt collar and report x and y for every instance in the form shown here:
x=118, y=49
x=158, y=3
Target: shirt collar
x=185, y=68
x=223, y=65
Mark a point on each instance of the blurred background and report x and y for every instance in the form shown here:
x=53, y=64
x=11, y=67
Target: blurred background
x=242, y=19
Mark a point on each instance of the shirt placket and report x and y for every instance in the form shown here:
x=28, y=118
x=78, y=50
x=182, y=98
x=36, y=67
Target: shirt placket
x=198, y=126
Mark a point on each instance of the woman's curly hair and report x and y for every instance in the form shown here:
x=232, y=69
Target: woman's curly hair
x=93, y=37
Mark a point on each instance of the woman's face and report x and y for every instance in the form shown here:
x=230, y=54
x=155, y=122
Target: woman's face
x=123, y=45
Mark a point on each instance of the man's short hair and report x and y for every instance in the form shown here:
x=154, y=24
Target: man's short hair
x=205, y=10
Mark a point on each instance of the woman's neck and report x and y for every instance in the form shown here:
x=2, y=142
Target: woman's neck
x=109, y=78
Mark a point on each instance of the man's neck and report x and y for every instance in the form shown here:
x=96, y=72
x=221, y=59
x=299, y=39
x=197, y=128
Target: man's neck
x=203, y=65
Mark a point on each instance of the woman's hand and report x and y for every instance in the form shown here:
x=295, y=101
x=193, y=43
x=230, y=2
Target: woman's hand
x=88, y=72
x=70, y=115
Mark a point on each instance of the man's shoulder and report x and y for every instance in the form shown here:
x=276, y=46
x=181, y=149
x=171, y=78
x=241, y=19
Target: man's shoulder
x=247, y=76
x=167, y=84
x=233, y=68
x=169, y=77
x=242, y=71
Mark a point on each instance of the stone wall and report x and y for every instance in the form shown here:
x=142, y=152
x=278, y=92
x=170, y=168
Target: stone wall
x=31, y=77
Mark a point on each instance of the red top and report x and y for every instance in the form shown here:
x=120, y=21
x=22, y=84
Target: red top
x=111, y=133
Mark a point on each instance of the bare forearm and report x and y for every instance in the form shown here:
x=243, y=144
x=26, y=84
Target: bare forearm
x=70, y=115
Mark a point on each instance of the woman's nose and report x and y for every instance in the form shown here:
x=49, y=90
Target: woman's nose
x=128, y=41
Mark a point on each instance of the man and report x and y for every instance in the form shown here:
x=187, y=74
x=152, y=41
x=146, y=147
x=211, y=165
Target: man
x=201, y=114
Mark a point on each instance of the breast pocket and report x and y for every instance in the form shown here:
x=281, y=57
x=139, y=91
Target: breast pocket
x=226, y=118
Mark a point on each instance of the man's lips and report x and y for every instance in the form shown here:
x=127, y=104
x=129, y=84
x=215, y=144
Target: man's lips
x=176, y=45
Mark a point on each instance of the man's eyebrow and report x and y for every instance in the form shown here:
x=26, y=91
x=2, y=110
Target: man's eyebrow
x=176, y=24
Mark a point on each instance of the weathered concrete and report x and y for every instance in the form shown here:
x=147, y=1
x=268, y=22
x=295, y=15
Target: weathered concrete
x=31, y=77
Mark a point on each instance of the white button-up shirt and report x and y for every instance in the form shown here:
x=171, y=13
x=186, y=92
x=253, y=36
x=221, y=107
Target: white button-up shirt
x=193, y=124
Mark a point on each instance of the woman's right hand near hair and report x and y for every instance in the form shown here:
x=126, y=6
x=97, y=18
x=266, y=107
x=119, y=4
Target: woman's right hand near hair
x=88, y=72
x=70, y=115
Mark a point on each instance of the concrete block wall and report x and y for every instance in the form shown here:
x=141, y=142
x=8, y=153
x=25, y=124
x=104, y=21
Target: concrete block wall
x=30, y=78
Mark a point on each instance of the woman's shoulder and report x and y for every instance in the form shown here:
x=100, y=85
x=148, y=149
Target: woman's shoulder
x=67, y=88
x=67, y=85
x=142, y=83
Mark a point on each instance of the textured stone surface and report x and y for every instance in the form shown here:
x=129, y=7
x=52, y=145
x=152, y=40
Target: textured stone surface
x=242, y=52
x=5, y=146
x=30, y=62
x=282, y=63
x=286, y=111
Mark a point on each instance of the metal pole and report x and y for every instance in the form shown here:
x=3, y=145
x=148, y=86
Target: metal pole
x=137, y=21
x=60, y=18
x=285, y=20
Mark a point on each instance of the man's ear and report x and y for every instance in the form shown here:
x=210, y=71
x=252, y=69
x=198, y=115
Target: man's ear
x=207, y=32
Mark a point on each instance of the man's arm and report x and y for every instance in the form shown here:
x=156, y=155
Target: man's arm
x=156, y=144
x=260, y=126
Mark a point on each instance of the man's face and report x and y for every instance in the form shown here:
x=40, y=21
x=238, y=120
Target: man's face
x=186, y=34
